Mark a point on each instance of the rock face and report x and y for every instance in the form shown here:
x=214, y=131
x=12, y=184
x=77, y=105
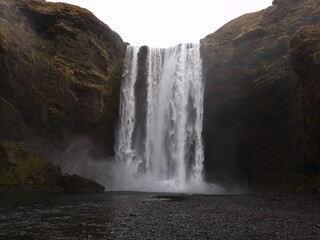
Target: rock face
x=60, y=72
x=20, y=169
x=75, y=183
x=305, y=59
x=252, y=123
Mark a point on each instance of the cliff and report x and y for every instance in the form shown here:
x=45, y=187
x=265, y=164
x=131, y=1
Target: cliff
x=60, y=73
x=305, y=59
x=252, y=123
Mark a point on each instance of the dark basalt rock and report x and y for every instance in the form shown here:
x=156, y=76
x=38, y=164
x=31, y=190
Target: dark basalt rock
x=60, y=73
x=252, y=122
x=75, y=183
x=285, y=3
x=305, y=59
x=23, y=170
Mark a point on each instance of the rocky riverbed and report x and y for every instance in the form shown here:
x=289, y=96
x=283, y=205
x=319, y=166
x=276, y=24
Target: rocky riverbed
x=154, y=216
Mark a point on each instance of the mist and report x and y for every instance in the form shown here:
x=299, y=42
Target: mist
x=79, y=158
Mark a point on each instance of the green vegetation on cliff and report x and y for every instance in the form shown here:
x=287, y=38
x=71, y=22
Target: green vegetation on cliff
x=60, y=70
x=60, y=74
x=19, y=168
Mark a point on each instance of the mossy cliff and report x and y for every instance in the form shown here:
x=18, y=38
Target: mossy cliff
x=19, y=168
x=60, y=73
x=252, y=122
x=23, y=170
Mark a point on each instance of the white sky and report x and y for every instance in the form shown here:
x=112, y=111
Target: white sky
x=164, y=23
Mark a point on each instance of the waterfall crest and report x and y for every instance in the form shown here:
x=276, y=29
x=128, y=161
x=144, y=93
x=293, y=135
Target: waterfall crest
x=159, y=139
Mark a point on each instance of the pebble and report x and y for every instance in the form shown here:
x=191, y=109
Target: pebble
x=196, y=217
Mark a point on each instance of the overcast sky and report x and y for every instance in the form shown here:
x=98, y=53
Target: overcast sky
x=163, y=23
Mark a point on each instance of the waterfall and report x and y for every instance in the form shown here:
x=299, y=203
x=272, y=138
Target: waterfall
x=160, y=145
x=124, y=150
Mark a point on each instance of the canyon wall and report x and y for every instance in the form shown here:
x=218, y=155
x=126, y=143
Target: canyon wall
x=254, y=130
x=252, y=123
x=305, y=60
x=60, y=74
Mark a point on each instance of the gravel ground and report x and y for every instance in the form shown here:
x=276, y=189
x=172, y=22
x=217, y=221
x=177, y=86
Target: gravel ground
x=150, y=216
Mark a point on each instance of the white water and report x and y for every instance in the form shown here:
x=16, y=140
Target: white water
x=167, y=154
x=124, y=150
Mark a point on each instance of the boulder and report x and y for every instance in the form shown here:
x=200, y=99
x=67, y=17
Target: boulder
x=23, y=170
x=75, y=183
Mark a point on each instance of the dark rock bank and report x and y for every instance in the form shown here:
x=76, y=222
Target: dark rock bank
x=22, y=170
x=252, y=123
x=305, y=59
